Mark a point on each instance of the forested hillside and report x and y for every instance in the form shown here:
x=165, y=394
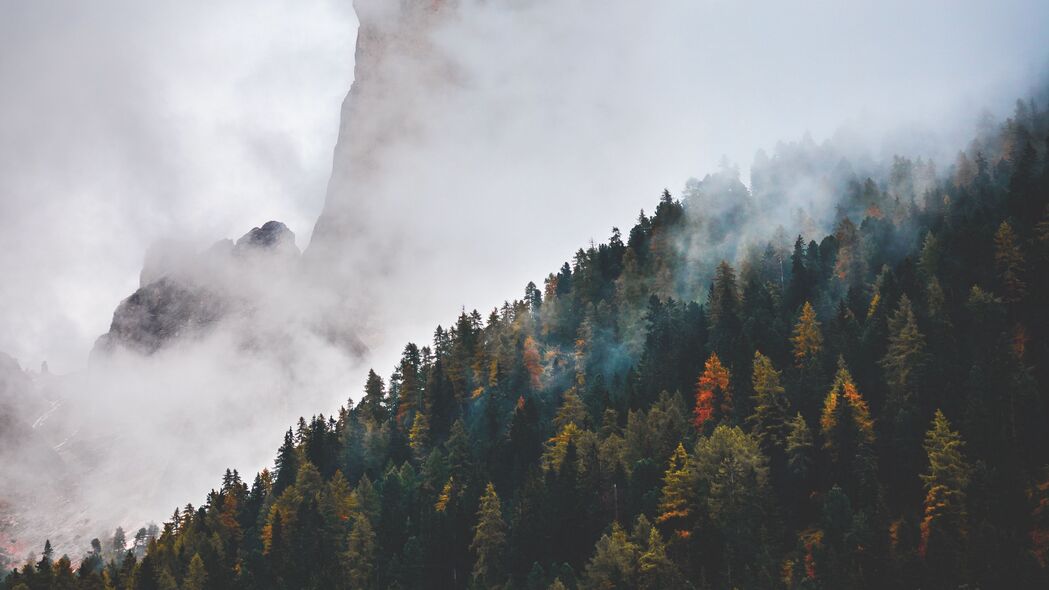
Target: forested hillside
x=865, y=408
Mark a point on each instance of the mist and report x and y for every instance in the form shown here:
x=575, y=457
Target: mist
x=525, y=129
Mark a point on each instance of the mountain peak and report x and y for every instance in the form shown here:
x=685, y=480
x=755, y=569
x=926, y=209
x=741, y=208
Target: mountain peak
x=273, y=235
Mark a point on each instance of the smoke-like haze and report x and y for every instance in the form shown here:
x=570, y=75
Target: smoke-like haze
x=511, y=133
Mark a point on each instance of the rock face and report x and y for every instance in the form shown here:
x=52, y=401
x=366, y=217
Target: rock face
x=273, y=236
x=184, y=295
x=398, y=69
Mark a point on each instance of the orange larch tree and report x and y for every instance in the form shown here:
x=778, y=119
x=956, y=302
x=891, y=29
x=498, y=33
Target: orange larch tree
x=713, y=397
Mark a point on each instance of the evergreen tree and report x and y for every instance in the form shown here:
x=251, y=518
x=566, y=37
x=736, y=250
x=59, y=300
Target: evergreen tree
x=733, y=479
x=725, y=323
x=807, y=339
x=799, y=448
x=944, y=528
x=675, y=505
x=196, y=575
x=1009, y=260
x=286, y=465
x=905, y=358
x=769, y=420
x=614, y=564
x=489, y=540
x=848, y=435
x=373, y=404
x=360, y=554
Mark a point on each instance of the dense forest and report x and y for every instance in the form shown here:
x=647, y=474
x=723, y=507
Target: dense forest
x=687, y=407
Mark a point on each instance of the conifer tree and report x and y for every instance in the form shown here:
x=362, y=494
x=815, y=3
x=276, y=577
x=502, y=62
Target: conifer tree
x=800, y=280
x=1009, y=259
x=713, y=397
x=769, y=420
x=489, y=540
x=848, y=435
x=572, y=411
x=419, y=435
x=532, y=364
x=655, y=569
x=615, y=562
x=732, y=476
x=725, y=323
x=359, y=560
x=197, y=575
x=905, y=358
x=799, y=448
x=944, y=528
x=675, y=506
x=807, y=339
x=373, y=404
x=808, y=379
x=287, y=464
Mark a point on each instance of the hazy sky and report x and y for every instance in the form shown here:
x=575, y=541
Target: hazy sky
x=122, y=122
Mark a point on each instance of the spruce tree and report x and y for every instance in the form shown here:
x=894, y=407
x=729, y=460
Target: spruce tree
x=373, y=404
x=287, y=464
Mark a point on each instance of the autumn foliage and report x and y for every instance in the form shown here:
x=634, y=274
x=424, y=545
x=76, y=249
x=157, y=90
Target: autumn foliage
x=713, y=398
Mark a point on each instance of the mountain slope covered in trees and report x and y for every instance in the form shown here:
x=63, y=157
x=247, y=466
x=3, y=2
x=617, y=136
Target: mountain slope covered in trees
x=686, y=406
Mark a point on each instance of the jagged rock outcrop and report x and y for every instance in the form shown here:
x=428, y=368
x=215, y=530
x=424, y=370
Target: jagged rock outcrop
x=184, y=295
x=273, y=237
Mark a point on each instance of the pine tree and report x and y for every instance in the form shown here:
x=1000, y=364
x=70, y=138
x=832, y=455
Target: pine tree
x=63, y=572
x=615, y=562
x=361, y=553
x=655, y=569
x=769, y=420
x=287, y=464
x=732, y=477
x=846, y=421
x=905, y=357
x=373, y=404
x=1010, y=262
x=713, y=397
x=119, y=542
x=675, y=506
x=196, y=576
x=800, y=279
x=419, y=435
x=807, y=339
x=799, y=448
x=725, y=324
x=489, y=540
x=572, y=411
x=848, y=438
x=944, y=529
